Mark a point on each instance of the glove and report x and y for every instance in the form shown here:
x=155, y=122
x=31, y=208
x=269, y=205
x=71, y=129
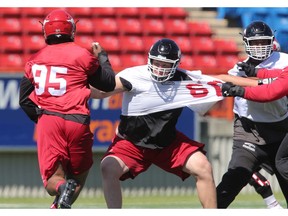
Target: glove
x=249, y=69
x=231, y=90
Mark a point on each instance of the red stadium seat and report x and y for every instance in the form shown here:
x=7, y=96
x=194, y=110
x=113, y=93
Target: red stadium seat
x=116, y=62
x=33, y=12
x=202, y=45
x=131, y=44
x=33, y=43
x=85, y=26
x=183, y=42
x=11, y=43
x=31, y=25
x=148, y=41
x=176, y=27
x=153, y=27
x=84, y=41
x=199, y=28
x=10, y=12
x=127, y=12
x=172, y=12
x=150, y=12
x=225, y=46
x=78, y=12
x=109, y=42
x=205, y=62
x=187, y=62
x=226, y=61
x=130, y=60
x=11, y=61
x=105, y=25
x=129, y=26
x=103, y=12
x=10, y=26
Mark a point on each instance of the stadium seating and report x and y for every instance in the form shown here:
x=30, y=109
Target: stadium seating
x=10, y=25
x=127, y=12
x=11, y=44
x=176, y=27
x=131, y=44
x=130, y=60
x=11, y=61
x=10, y=12
x=109, y=42
x=103, y=12
x=84, y=41
x=207, y=63
x=184, y=43
x=129, y=26
x=31, y=25
x=226, y=62
x=172, y=13
x=202, y=45
x=225, y=46
x=187, y=62
x=32, y=43
x=85, y=26
x=153, y=27
x=80, y=12
x=105, y=25
x=33, y=12
x=148, y=41
x=199, y=28
x=150, y=12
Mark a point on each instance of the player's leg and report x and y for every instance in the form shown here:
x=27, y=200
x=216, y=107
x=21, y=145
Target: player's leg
x=263, y=188
x=199, y=166
x=240, y=169
x=112, y=168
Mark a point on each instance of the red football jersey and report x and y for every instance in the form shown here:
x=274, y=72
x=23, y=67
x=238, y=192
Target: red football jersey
x=59, y=73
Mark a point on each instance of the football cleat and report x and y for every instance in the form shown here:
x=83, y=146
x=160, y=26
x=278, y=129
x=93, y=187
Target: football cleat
x=65, y=198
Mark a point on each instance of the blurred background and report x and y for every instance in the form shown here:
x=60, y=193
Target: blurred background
x=210, y=41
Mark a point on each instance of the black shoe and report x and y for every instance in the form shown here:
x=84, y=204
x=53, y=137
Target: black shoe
x=65, y=198
x=54, y=205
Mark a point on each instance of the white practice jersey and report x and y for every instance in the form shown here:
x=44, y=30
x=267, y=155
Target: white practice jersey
x=147, y=96
x=262, y=112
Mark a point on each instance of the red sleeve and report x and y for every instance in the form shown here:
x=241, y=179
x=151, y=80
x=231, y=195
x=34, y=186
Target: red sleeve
x=269, y=73
x=265, y=93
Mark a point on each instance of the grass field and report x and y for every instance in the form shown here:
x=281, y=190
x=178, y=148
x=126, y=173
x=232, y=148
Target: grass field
x=253, y=201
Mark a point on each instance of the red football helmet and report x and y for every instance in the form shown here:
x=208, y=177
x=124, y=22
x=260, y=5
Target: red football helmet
x=59, y=22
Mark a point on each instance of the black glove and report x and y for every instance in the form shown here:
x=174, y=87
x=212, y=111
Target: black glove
x=249, y=69
x=231, y=90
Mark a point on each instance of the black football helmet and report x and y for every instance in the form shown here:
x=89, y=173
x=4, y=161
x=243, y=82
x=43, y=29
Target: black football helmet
x=258, y=38
x=165, y=50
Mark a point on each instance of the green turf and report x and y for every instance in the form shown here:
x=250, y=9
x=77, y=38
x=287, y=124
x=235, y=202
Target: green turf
x=181, y=202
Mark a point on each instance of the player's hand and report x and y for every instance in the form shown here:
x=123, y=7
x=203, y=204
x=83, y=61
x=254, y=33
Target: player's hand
x=231, y=90
x=96, y=48
x=99, y=53
x=249, y=69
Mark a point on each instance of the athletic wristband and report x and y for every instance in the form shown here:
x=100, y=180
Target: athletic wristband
x=265, y=81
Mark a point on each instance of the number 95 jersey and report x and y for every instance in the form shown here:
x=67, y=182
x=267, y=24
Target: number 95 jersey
x=59, y=74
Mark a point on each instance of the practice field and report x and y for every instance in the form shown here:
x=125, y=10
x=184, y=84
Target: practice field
x=253, y=201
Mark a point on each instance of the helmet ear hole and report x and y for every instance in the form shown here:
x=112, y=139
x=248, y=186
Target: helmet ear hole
x=258, y=38
x=164, y=50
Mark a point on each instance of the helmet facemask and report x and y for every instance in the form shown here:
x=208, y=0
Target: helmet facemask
x=163, y=59
x=261, y=51
x=160, y=74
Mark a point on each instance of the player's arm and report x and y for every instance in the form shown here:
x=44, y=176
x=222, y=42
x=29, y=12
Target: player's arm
x=28, y=106
x=121, y=85
x=236, y=80
x=104, y=77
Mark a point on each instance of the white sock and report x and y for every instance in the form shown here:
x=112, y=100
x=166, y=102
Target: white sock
x=271, y=202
